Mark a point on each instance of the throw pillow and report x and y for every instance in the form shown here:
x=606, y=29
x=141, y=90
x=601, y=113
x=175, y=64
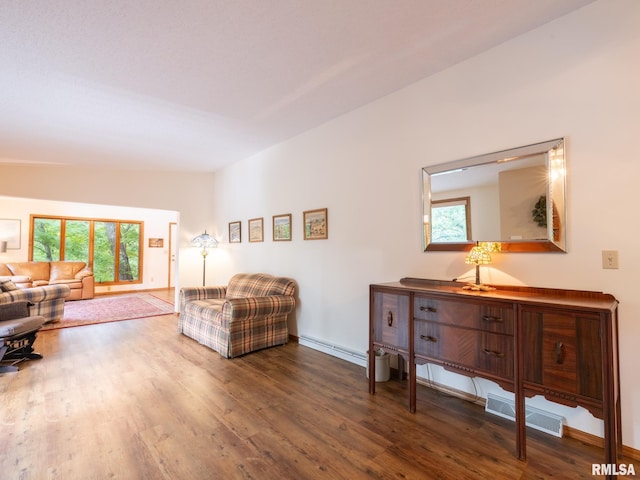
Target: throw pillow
x=7, y=286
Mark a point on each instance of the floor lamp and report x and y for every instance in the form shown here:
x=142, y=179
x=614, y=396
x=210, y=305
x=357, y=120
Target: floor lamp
x=204, y=241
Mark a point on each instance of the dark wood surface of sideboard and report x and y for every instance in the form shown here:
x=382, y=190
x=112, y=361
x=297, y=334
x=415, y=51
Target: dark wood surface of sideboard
x=562, y=344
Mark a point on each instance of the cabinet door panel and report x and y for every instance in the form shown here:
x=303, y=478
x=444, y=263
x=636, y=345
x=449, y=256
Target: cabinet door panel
x=563, y=352
x=559, y=353
x=391, y=320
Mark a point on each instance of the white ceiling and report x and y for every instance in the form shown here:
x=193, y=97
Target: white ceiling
x=196, y=84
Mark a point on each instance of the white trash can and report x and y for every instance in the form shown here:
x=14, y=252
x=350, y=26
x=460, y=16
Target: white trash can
x=383, y=369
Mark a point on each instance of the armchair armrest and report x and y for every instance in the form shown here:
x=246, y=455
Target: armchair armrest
x=36, y=294
x=189, y=294
x=239, y=309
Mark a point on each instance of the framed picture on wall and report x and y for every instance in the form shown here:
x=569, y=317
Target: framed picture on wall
x=156, y=242
x=235, y=232
x=256, y=230
x=282, y=227
x=10, y=233
x=316, y=224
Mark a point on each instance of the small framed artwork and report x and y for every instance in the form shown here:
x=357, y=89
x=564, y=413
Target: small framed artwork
x=10, y=233
x=235, y=232
x=256, y=230
x=316, y=224
x=156, y=242
x=282, y=227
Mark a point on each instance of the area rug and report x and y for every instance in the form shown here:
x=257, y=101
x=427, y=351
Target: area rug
x=111, y=309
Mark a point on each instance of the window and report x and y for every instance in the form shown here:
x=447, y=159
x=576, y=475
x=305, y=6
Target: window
x=451, y=220
x=112, y=248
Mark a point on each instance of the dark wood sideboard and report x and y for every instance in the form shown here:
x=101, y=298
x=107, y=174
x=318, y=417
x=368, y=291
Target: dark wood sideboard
x=562, y=344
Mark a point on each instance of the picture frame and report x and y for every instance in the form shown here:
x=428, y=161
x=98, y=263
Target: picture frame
x=156, y=242
x=316, y=224
x=256, y=229
x=235, y=232
x=282, y=227
x=10, y=232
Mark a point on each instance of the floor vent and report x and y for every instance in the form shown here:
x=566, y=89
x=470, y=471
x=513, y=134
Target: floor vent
x=538, y=419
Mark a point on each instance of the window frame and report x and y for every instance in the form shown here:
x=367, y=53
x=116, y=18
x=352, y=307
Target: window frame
x=91, y=239
x=455, y=202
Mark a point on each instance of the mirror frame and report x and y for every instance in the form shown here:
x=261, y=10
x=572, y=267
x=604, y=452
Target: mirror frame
x=554, y=150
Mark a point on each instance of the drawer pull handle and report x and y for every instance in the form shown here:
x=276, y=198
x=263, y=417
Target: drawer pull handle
x=428, y=309
x=390, y=318
x=559, y=353
x=429, y=338
x=493, y=353
x=491, y=318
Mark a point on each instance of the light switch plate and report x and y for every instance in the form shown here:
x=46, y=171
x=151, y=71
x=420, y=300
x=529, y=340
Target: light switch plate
x=610, y=259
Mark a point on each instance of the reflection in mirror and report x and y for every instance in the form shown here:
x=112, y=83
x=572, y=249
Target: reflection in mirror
x=515, y=197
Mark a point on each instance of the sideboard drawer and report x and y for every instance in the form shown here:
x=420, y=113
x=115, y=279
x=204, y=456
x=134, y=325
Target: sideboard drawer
x=496, y=318
x=470, y=349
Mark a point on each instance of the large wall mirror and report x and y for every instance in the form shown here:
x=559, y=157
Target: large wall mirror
x=513, y=197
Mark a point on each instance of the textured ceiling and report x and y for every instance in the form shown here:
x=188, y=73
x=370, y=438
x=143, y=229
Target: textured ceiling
x=196, y=84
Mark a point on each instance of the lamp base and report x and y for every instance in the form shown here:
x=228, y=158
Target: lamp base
x=478, y=287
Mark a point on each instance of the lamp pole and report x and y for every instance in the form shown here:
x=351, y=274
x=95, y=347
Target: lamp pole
x=204, y=254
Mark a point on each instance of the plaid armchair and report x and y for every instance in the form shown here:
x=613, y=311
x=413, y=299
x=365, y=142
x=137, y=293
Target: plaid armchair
x=248, y=314
x=46, y=301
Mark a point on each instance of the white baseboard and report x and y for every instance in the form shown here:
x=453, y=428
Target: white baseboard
x=334, y=350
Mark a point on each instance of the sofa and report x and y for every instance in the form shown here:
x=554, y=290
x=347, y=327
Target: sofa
x=76, y=275
x=46, y=301
x=248, y=314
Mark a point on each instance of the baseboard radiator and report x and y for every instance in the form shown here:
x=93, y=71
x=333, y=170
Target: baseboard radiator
x=538, y=419
x=335, y=350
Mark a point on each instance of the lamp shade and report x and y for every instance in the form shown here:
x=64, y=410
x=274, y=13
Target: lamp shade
x=204, y=240
x=478, y=256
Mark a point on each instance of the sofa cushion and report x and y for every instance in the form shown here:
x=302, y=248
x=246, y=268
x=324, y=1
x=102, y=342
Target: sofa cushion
x=72, y=282
x=35, y=270
x=4, y=271
x=16, y=278
x=65, y=270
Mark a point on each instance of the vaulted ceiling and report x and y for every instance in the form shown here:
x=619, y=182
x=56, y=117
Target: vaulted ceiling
x=195, y=84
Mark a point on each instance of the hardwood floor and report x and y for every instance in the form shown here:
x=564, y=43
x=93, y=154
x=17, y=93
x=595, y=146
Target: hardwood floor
x=136, y=400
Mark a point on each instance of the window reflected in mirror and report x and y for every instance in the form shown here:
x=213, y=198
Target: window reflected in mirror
x=451, y=219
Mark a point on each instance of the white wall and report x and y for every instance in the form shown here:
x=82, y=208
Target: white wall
x=156, y=225
x=576, y=77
